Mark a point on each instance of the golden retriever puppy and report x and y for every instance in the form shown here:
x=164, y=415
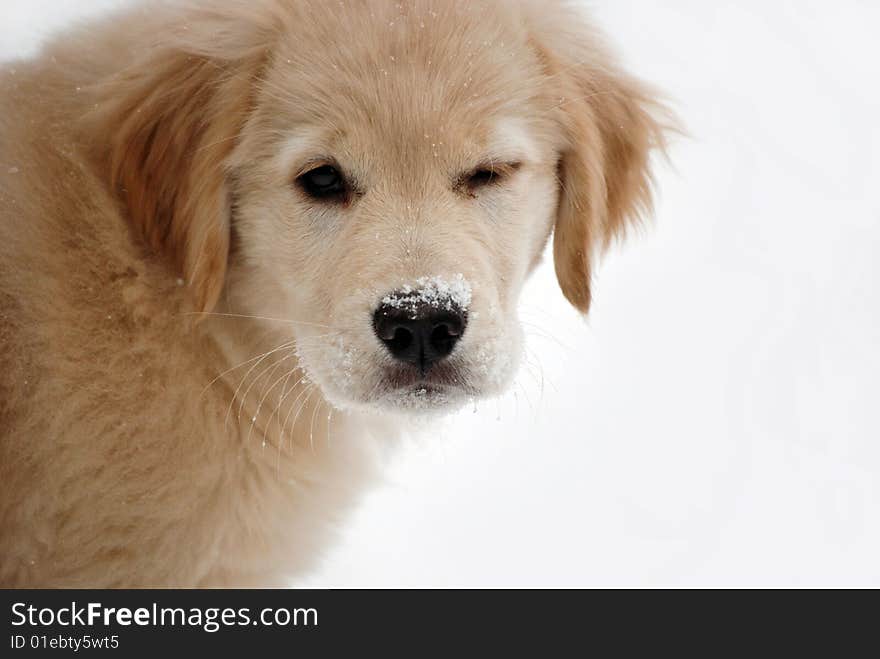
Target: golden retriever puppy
x=241, y=241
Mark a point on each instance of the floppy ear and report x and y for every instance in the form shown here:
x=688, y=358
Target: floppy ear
x=610, y=122
x=171, y=121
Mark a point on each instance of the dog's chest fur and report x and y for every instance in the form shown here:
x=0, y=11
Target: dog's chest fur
x=123, y=461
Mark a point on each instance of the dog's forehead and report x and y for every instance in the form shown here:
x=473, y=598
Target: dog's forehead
x=406, y=68
x=505, y=139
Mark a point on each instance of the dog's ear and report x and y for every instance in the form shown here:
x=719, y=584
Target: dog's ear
x=170, y=122
x=611, y=123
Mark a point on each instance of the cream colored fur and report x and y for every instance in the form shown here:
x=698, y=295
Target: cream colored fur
x=191, y=393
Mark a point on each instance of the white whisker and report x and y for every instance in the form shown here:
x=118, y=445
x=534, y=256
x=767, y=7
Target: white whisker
x=283, y=346
x=214, y=314
x=265, y=395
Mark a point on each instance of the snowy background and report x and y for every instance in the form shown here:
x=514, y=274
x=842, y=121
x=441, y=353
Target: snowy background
x=716, y=421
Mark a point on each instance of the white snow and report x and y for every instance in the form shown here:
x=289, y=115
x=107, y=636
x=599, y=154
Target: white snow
x=714, y=422
x=436, y=291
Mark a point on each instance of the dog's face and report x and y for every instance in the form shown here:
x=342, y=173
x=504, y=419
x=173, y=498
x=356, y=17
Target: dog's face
x=385, y=178
x=396, y=215
x=398, y=236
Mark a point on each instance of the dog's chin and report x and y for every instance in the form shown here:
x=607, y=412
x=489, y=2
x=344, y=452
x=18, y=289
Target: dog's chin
x=410, y=395
x=378, y=385
x=424, y=400
x=420, y=397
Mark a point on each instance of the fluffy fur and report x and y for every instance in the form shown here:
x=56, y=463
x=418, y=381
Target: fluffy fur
x=191, y=393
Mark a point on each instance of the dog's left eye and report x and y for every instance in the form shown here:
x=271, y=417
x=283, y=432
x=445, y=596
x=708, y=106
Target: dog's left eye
x=325, y=183
x=487, y=176
x=481, y=177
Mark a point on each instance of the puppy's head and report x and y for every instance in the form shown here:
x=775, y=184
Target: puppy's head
x=384, y=175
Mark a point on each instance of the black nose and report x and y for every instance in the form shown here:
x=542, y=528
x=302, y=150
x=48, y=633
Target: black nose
x=418, y=333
